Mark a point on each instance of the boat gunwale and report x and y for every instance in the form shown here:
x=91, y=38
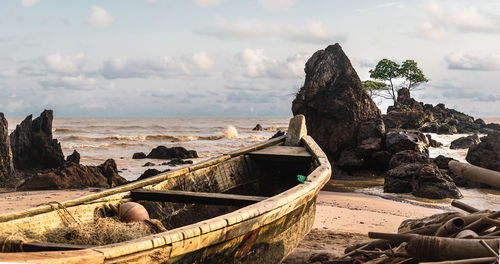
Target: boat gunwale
x=262, y=213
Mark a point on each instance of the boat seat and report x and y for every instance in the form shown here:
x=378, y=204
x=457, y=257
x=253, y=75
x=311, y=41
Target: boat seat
x=282, y=153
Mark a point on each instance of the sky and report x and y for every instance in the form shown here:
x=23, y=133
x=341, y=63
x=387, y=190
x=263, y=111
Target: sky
x=233, y=58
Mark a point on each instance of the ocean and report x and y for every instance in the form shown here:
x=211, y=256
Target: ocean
x=98, y=139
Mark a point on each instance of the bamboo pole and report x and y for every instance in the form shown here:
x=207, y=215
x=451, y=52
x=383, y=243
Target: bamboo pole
x=475, y=173
x=450, y=227
x=465, y=261
x=461, y=205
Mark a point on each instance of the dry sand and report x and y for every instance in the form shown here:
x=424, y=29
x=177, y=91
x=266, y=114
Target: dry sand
x=342, y=219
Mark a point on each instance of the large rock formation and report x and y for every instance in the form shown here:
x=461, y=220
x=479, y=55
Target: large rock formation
x=412, y=171
x=33, y=146
x=334, y=102
x=487, y=153
x=6, y=167
x=464, y=142
x=406, y=112
x=73, y=175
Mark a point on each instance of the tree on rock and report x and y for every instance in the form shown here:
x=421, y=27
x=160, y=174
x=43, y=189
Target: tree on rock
x=389, y=72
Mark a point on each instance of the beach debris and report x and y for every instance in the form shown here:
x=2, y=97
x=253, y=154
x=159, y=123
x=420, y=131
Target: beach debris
x=451, y=237
x=475, y=173
x=130, y=212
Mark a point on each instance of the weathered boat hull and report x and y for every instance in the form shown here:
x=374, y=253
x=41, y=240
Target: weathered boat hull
x=264, y=232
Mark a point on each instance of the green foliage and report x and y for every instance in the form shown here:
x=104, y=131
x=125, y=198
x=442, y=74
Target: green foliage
x=373, y=87
x=388, y=71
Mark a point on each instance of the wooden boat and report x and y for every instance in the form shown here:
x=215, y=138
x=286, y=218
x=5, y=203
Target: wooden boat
x=261, y=211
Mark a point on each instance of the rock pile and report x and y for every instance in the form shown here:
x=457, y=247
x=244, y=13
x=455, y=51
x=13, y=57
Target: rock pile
x=486, y=154
x=36, y=160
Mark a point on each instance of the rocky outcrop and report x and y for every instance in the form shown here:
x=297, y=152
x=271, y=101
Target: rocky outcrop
x=412, y=171
x=73, y=175
x=334, y=101
x=139, y=155
x=74, y=157
x=162, y=152
x=486, y=154
x=406, y=112
x=399, y=140
x=464, y=142
x=433, y=143
x=257, y=127
x=33, y=146
x=6, y=167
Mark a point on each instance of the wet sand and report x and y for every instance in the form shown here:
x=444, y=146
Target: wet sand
x=342, y=219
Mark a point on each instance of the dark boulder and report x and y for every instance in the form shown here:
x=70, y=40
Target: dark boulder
x=162, y=152
x=480, y=122
x=413, y=172
x=6, y=166
x=407, y=119
x=278, y=133
x=139, y=155
x=446, y=129
x=464, y=142
x=74, y=157
x=405, y=102
x=399, y=140
x=175, y=162
x=73, y=175
x=433, y=143
x=430, y=127
x=258, y=127
x=379, y=160
x=486, y=154
x=150, y=173
x=33, y=146
x=442, y=163
x=333, y=101
x=148, y=164
x=349, y=161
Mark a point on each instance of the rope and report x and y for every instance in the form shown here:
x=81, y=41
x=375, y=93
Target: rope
x=63, y=213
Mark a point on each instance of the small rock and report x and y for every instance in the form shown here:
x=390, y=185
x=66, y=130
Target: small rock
x=162, y=152
x=433, y=143
x=74, y=157
x=139, y=155
x=258, y=127
x=148, y=164
x=464, y=142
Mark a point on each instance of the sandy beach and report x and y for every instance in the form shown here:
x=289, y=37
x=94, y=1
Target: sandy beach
x=342, y=218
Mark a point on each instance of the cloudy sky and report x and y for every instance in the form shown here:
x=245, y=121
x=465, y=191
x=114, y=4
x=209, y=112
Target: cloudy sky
x=233, y=57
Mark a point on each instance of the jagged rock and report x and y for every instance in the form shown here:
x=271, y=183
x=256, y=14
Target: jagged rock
x=480, y=122
x=278, y=133
x=416, y=174
x=73, y=175
x=446, y=129
x=139, y=155
x=148, y=164
x=442, y=163
x=333, y=101
x=33, y=146
x=408, y=157
x=368, y=146
x=6, y=166
x=404, y=101
x=150, y=173
x=258, y=127
x=399, y=140
x=74, y=157
x=464, y=142
x=175, y=162
x=379, y=160
x=433, y=143
x=406, y=119
x=349, y=161
x=486, y=154
x=162, y=152
x=430, y=127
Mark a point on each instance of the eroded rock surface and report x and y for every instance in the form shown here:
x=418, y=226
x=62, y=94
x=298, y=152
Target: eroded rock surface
x=486, y=154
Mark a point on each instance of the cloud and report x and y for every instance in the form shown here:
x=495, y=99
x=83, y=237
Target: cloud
x=29, y=3
x=208, y=3
x=275, y=4
x=58, y=63
x=311, y=32
x=196, y=64
x=258, y=65
x=473, y=62
x=100, y=17
x=443, y=19
x=79, y=82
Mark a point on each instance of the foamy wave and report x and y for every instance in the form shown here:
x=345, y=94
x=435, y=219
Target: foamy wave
x=85, y=146
x=231, y=133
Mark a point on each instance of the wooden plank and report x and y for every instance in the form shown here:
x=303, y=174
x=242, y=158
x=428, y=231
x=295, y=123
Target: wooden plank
x=195, y=197
x=46, y=246
x=287, y=151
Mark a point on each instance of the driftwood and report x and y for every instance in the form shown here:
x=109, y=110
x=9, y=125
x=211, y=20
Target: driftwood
x=463, y=206
x=475, y=173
